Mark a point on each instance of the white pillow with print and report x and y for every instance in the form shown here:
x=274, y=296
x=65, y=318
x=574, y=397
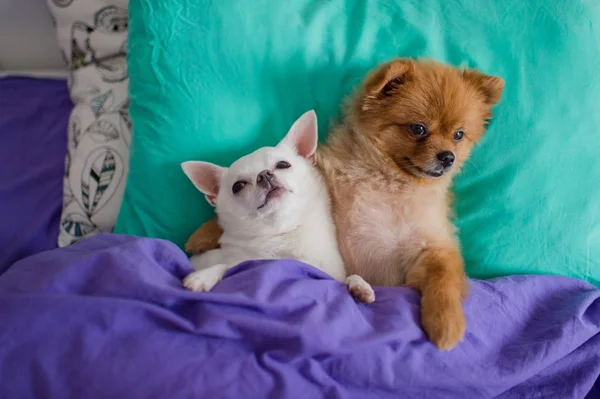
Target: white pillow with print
x=93, y=38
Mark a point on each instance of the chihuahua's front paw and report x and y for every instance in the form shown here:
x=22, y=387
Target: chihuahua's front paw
x=360, y=289
x=443, y=322
x=205, y=280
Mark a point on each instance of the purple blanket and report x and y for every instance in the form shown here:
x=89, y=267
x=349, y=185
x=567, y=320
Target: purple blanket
x=34, y=115
x=108, y=318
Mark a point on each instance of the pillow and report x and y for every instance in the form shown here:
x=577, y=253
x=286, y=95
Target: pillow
x=33, y=143
x=93, y=37
x=213, y=80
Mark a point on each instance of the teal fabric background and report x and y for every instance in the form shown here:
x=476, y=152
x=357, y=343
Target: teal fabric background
x=213, y=80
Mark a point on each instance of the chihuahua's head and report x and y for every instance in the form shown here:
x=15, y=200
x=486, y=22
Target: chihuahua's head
x=269, y=188
x=425, y=116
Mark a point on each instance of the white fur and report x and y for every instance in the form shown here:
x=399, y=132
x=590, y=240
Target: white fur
x=296, y=225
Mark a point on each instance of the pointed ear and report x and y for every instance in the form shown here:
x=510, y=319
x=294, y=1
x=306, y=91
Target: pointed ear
x=490, y=86
x=205, y=176
x=385, y=80
x=303, y=136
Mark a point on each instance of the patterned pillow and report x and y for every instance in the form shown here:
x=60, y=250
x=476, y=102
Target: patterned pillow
x=93, y=38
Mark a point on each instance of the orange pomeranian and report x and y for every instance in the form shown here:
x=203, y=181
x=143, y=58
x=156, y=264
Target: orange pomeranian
x=389, y=166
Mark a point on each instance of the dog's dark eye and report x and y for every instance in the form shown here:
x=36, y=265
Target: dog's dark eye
x=458, y=135
x=238, y=186
x=283, y=165
x=418, y=130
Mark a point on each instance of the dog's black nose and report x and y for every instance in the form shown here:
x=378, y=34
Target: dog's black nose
x=446, y=158
x=265, y=179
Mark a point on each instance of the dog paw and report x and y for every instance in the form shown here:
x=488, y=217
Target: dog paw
x=360, y=289
x=205, y=238
x=204, y=280
x=444, y=324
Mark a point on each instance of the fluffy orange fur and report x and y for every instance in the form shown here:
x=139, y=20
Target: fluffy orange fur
x=392, y=218
x=205, y=238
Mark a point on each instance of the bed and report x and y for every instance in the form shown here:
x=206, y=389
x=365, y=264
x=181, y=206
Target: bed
x=107, y=316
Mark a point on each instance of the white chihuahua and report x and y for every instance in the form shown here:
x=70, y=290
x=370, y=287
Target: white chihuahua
x=272, y=204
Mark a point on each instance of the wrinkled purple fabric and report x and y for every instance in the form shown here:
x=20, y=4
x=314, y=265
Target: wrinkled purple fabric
x=108, y=318
x=34, y=114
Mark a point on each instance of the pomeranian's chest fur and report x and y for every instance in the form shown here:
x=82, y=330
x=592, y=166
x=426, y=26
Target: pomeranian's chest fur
x=383, y=221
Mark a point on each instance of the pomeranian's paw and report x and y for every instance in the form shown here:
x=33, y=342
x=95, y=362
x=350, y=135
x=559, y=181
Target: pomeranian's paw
x=443, y=322
x=205, y=238
x=204, y=280
x=360, y=289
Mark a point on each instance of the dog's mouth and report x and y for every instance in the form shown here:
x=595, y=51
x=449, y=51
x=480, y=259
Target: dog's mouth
x=435, y=173
x=274, y=193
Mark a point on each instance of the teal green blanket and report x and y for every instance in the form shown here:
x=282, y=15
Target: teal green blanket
x=213, y=80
